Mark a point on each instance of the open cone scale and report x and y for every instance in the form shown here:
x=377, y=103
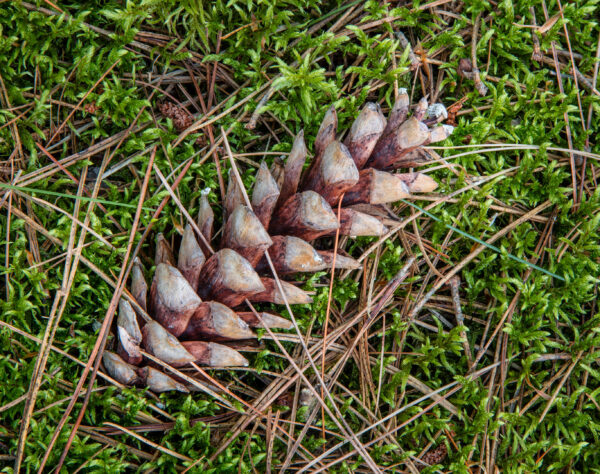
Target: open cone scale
x=196, y=299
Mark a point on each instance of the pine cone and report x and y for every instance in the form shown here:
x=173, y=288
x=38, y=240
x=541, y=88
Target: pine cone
x=196, y=300
x=182, y=119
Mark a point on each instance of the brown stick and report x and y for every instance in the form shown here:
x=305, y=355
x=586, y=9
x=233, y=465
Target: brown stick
x=216, y=322
x=415, y=62
x=364, y=133
x=191, y=258
x=536, y=55
x=215, y=355
x=172, y=300
x=292, y=255
x=293, y=169
x=164, y=345
x=335, y=173
x=293, y=294
x=229, y=278
x=306, y=215
x=245, y=234
x=265, y=195
x=460, y=319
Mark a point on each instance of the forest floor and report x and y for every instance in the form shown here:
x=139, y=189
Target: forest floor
x=483, y=357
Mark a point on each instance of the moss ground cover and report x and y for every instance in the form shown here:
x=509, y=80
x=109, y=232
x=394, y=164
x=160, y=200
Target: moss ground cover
x=483, y=357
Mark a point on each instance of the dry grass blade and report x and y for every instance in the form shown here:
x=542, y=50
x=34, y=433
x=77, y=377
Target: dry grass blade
x=327, y=311
x=183, y=210
x=342, y=424
x=58, y=306
x=384, y=365
x=452, y=388
x=100, y=79
x=101, y=341
x=149, y=443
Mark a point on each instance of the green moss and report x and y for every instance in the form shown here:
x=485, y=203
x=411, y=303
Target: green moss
x=45, y=58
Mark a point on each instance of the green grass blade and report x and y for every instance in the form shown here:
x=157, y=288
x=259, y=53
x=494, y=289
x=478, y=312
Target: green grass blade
x=25, y=189
x=481, y=242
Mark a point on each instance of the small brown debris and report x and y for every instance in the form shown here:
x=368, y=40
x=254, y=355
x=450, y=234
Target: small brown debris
x=466, y=70
x=182, y=119
x=454, y=109
x=435, y=456
x=91, y=108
